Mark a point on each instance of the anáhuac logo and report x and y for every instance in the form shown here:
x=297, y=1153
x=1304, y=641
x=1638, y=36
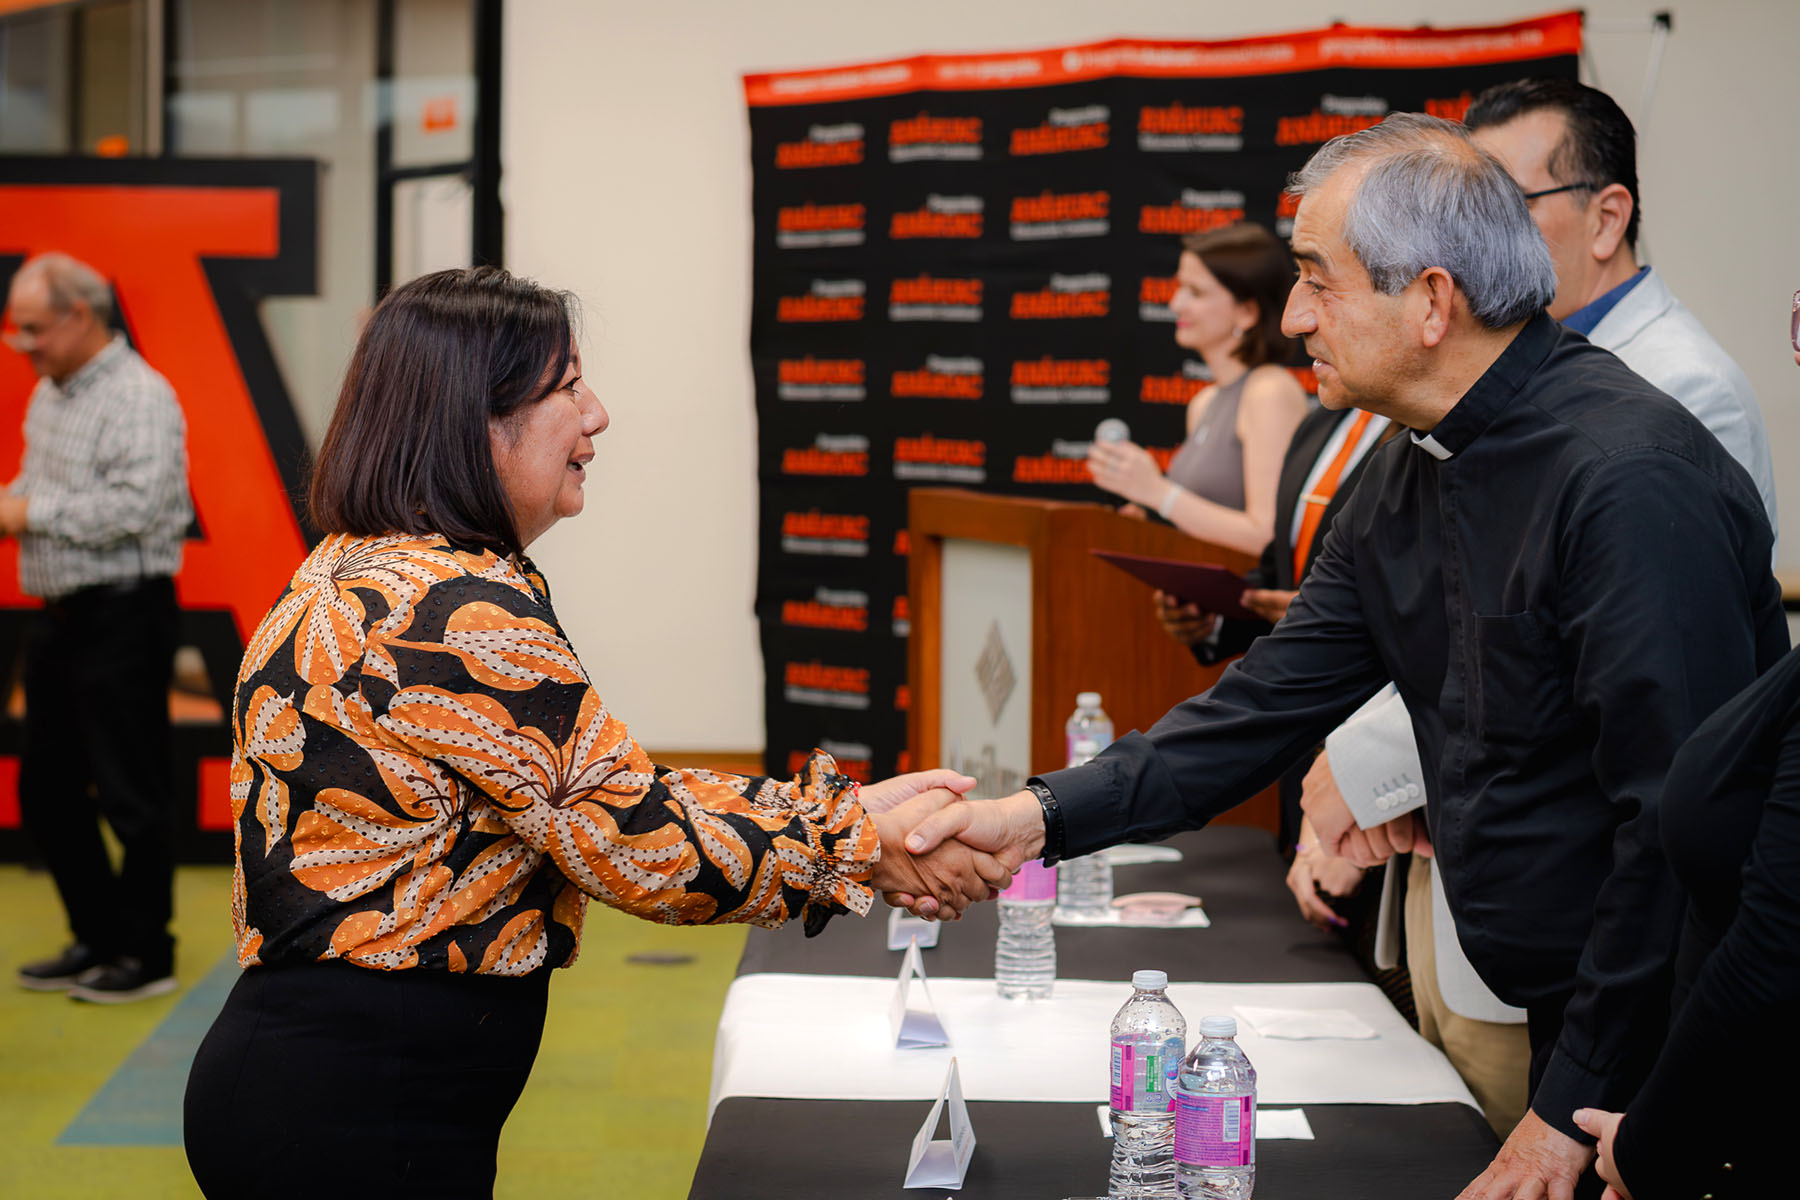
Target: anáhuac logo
x=823, y=686
x=949, y=460
x=1450, y=108
x=826, y=300
x=853, y=759
x=1066, y=463
x=943, y=139
x=939, y=217
x=1178, y=128
x=1050, y=215
x=1064, y=130
x=810, y=226
x=1335, y=116
x=1175, y=389
x=830, y=608
x=1066, y=297
x=943, y=377
x=902, y=617
x=812, y=378
x=1154, y=294
x=824, y=146
x=833, y=535
x=1195, y=212
x=845, y=454
x=1062, y=381
x=934, y=298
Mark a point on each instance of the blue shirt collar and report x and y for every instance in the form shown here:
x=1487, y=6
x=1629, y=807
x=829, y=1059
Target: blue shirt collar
x=1584, y=319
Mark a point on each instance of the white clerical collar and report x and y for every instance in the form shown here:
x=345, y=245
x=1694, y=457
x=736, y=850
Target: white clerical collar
x=1431, y=446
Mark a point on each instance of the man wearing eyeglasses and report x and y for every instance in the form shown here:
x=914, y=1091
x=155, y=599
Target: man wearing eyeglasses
x=1574, y=153
x=100, y=508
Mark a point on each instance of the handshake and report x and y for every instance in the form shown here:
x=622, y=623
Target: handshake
x=941, y=853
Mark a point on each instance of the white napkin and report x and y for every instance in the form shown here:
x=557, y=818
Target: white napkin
x=1299, y=1024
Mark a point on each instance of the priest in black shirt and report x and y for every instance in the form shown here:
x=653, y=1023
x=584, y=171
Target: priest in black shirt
x=1562, y=570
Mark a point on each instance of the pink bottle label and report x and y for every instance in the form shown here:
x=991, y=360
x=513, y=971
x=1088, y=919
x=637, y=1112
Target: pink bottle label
x=1215, y=1131
x=1123, y=1072
x=1033, y=881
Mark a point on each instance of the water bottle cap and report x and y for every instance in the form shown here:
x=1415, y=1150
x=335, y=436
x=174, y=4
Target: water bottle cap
x=1218, y=1026
x=1087, y=747
x=1087, y=699
x=1146, y=981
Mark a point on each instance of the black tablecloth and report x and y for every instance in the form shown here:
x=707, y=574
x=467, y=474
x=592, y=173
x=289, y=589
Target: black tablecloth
x=1256, y=936
x=815, y=1149
x=789, y=1149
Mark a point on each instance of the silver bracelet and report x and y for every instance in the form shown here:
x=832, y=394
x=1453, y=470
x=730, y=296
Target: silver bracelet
x=1168, y=503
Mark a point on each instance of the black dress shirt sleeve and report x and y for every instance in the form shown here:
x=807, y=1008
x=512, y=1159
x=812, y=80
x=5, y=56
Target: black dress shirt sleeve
x=1218, y=749
x=1655, y=612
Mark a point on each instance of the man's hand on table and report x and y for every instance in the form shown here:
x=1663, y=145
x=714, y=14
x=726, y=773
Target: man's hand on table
x=1326, y=809
x=1535, y=1163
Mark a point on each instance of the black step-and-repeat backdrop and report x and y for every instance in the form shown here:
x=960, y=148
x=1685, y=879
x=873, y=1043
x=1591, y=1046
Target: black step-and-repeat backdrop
x=963, y=263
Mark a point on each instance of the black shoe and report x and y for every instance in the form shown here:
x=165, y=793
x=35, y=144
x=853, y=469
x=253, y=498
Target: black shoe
x=59, y=973
x=122, y=982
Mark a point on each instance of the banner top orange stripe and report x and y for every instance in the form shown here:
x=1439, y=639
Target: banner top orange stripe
x=1336, y=46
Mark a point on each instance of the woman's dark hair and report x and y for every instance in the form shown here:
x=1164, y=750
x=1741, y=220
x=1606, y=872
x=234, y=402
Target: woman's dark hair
x=1254, y=265
x=408, y=449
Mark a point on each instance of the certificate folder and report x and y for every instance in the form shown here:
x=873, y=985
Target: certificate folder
x=1214, y=588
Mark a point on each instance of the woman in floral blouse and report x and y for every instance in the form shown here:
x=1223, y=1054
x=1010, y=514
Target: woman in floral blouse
x=427, y=790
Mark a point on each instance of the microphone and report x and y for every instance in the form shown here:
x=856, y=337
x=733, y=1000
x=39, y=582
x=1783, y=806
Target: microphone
x=1112, y=430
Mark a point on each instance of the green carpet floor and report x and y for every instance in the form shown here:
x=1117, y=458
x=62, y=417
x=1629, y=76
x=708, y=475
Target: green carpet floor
x=616, y=1105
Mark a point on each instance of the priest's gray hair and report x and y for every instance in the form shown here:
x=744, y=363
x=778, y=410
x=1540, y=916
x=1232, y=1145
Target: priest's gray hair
x=71, y=281
x=1432, y=198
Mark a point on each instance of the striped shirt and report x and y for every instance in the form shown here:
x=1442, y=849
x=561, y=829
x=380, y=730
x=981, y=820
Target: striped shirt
x=106, y=473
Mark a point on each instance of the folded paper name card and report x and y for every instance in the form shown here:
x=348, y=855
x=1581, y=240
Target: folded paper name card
x=943, y=1163
x=912, y=1015
x=903, y=927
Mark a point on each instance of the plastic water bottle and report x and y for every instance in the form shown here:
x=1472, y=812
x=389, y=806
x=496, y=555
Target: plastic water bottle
x=1148, y=1037
x=1215, y=1117
x=1025, y=954
x=1084, y=886
x=1088, y=723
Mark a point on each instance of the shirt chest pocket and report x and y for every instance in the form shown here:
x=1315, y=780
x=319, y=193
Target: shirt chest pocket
x=1521, y=692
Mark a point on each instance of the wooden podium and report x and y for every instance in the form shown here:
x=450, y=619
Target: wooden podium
x=1003, y=590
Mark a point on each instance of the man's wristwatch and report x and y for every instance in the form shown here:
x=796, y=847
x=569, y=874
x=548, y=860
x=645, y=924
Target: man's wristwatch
x=1053, y=822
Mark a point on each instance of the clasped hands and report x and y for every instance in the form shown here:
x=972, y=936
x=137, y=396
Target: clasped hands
x=1338, y=834
x=939, y=852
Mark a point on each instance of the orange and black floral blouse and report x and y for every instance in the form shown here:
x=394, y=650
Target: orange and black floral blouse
x=423, y=777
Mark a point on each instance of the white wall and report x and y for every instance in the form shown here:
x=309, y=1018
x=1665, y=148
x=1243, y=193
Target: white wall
x=627, y=180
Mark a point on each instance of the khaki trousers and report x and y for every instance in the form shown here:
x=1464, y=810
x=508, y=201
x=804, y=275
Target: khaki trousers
x=1493, y=1059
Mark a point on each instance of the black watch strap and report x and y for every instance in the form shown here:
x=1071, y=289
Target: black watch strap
x=1054, y=838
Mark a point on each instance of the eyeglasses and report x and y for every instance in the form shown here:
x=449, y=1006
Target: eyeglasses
x=1567, y=187
x=1794, y=330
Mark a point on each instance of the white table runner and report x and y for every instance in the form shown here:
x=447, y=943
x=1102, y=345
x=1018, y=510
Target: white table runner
x=826, y=1037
